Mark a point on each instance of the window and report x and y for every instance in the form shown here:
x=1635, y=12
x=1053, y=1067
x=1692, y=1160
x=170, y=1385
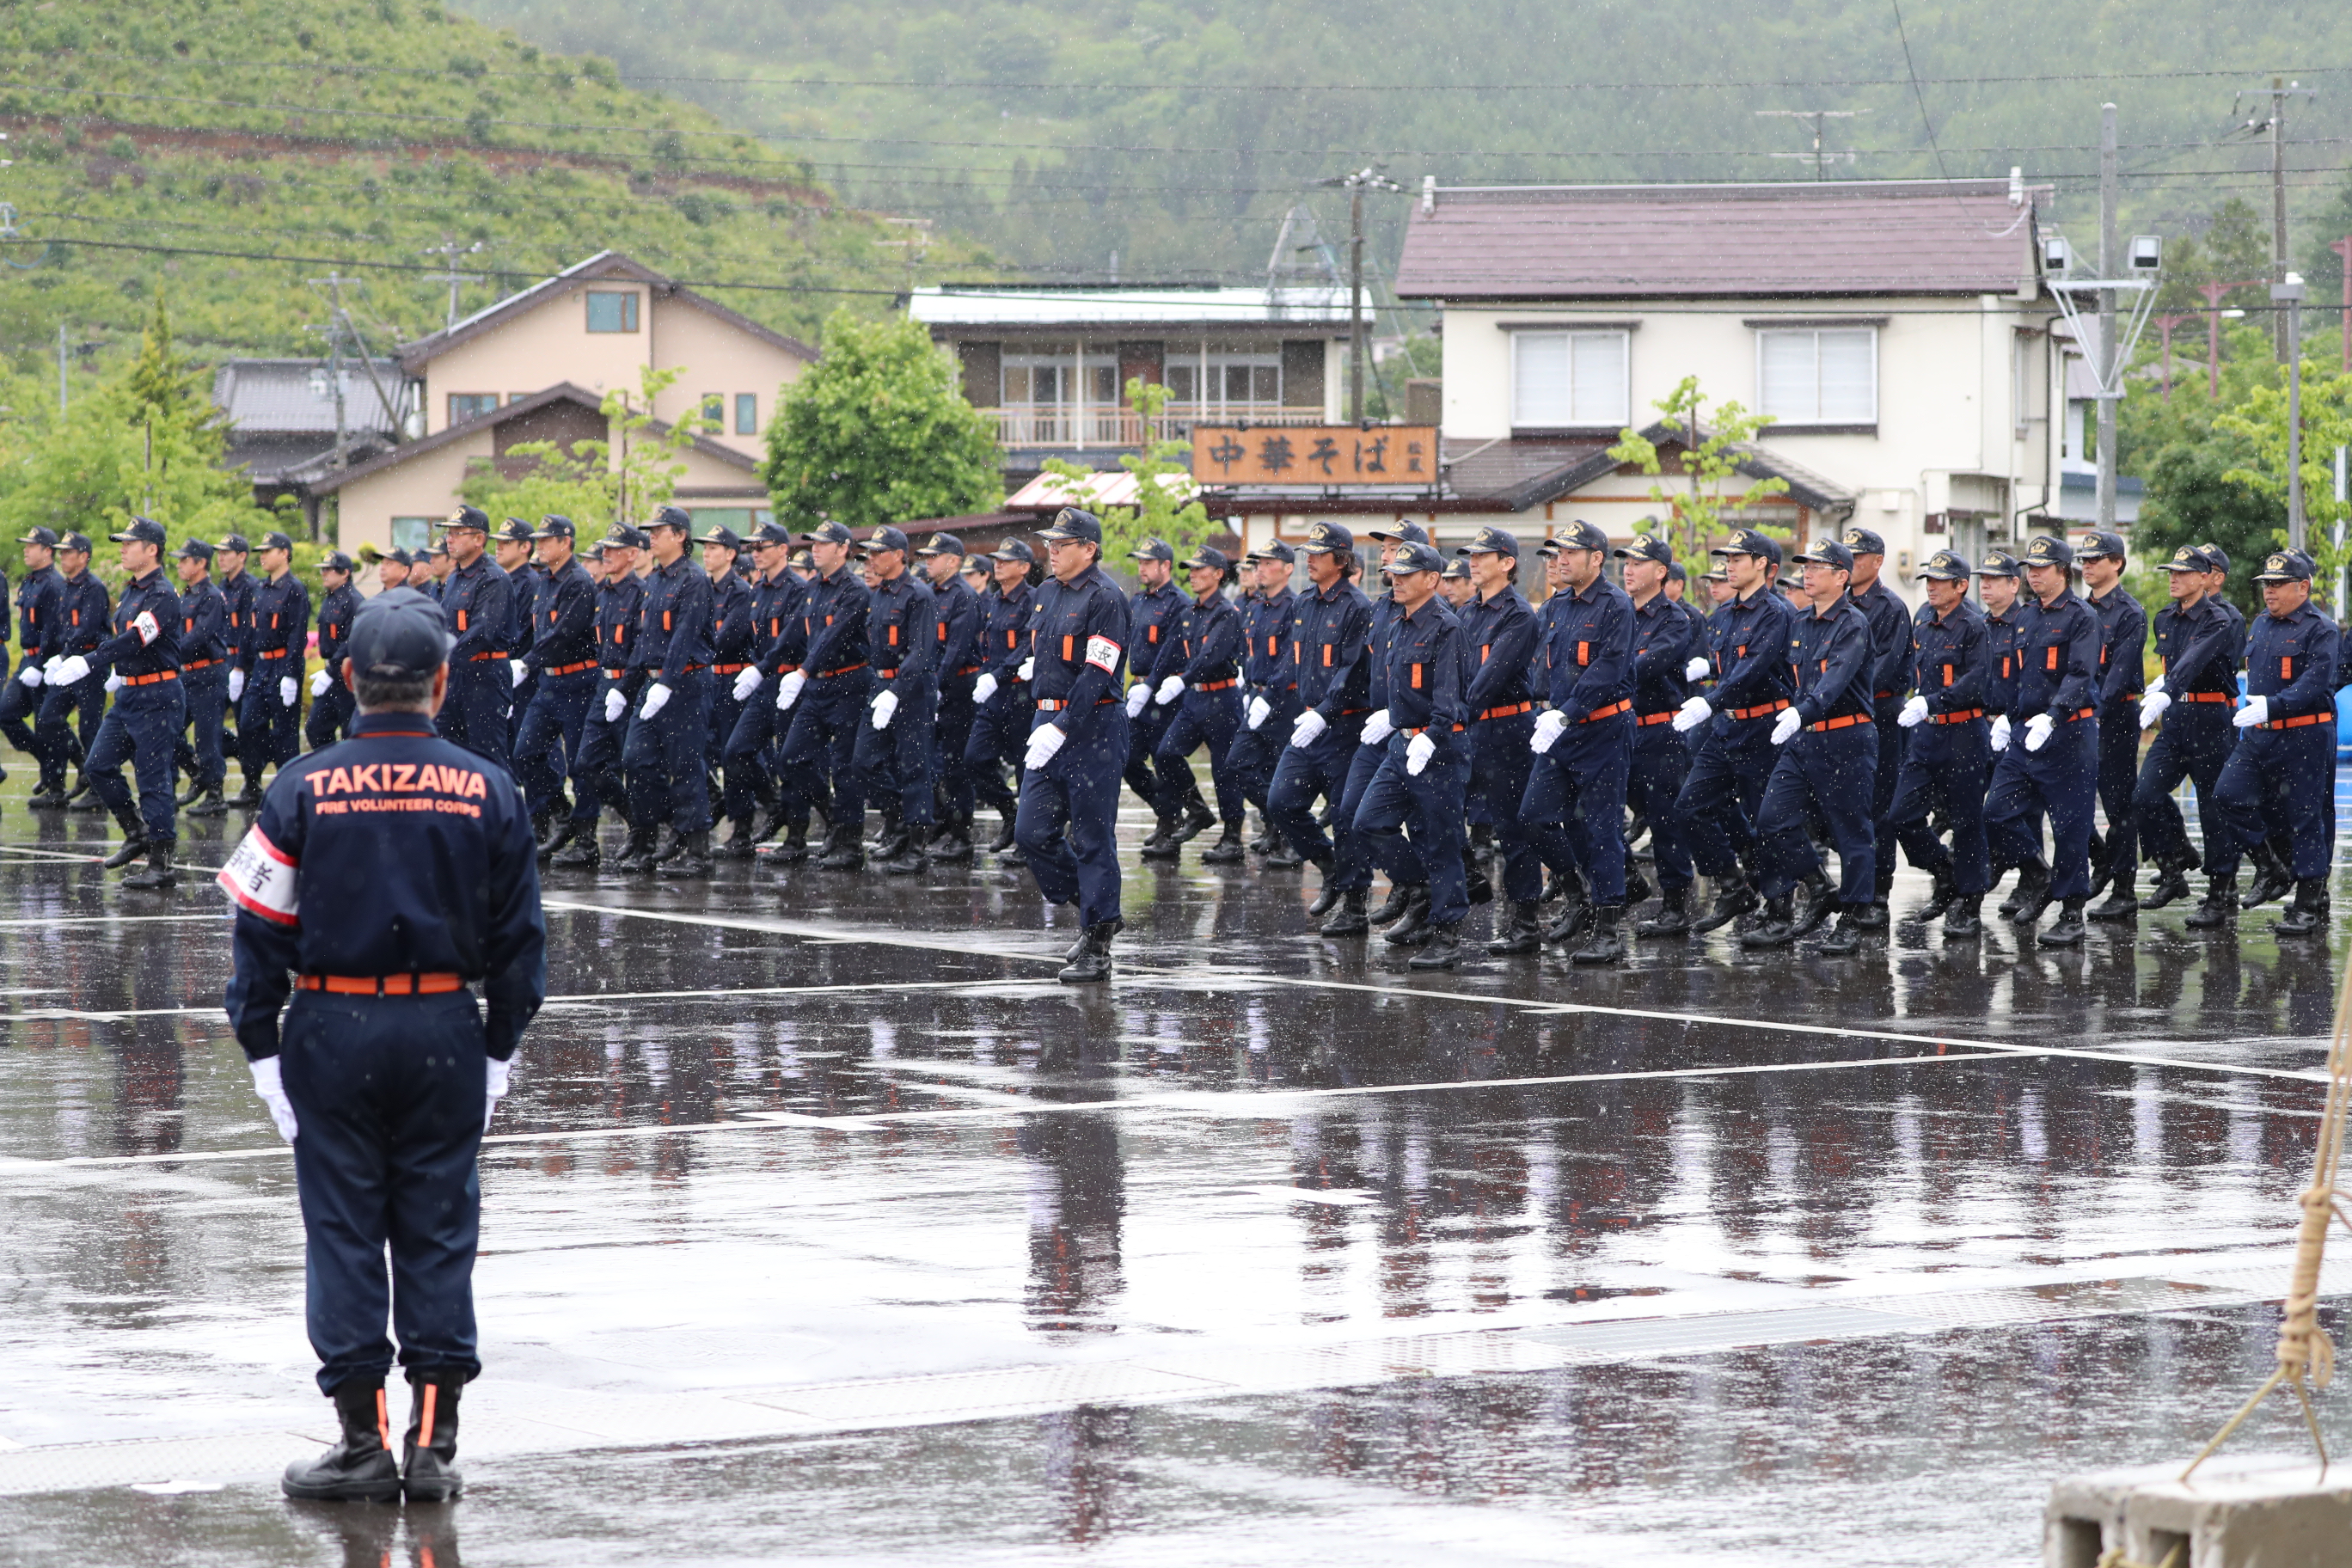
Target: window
x=1032, y=379
x=747, y=414
x=610, y=311
x=714, y=409
x=464, y=406
x=1234, y=382
x=1819, y=376
x=740, y=520
x=1568, y=380
x=411, y=532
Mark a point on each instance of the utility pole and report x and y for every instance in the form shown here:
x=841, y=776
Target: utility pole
x=1817, y=158
x=2343, y=248
x=2109, y=254
x=1359, y=343
x=61, y=367
x=2278, y=92
x=450, y=250
x=2291, y=294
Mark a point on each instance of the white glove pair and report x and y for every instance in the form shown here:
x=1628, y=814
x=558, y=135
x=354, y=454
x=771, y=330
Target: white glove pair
x=1417, y=753
x=614, y=703
x=788, y=689
x=1697, y=669
x=1913, y=714
x=521, y=671
x=885, y=707
x=1258, y=709
x=236, y=685
x=319, y=681
x=747, y=681
x=2037, y=732
x=2257, y=711
x=657, y=699
x=66, y=672
x=288, y=690
x=1137, y=696
x=1307, y=727
x=269, y=1082
x=1549, y=725
x=982, y=690
x=1692, y=714
x=1378, y=728
x=1786, y=724
x=1170, y=689
x=1045, y=741
x=2000, y=733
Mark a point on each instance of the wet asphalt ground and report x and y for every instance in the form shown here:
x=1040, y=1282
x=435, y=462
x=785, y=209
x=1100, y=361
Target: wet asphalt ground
x=823, y=1226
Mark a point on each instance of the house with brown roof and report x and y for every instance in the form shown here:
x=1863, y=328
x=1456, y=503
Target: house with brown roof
x=1897, y=332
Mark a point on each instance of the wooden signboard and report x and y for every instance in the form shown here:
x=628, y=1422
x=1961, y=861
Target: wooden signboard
x=1394, y=456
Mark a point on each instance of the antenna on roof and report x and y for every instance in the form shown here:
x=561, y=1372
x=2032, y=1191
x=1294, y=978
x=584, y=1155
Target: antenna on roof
x=448, y=251
x=1818, y=159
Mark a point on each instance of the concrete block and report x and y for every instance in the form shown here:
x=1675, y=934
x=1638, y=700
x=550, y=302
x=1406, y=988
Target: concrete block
x=2245, y=1510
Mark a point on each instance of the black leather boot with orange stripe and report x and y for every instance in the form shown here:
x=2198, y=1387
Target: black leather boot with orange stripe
x=360, y=1466
x=428, y=1470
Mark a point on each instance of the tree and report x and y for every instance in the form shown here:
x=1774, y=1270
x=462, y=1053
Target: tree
x=2261, y=420
x=1163, y=487
x=878, y=431
x=1710, y=465
x=584, y=483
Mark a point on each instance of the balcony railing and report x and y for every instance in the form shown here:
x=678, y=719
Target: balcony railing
x=1049, y=425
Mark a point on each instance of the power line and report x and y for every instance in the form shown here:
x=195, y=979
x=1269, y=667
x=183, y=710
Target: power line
x=1927, y=122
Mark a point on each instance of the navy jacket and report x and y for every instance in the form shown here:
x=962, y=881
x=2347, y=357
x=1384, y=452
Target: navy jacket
x=522, y=594
x=1075, y=636
x=1666, y=637
x=1151, y=629
x=674, y=621
x=1330, y=650
x=394, y=852
x=1004, y=632
x=2057, y=659
x=1750, y=652
x=335, y=613
x=204, y=625
x=902, y=628
x=1377, y=632
x=1266, y=632
x=236, y=594
x=38, y=610
x=957, y=609
x=2198, y=650
x=1209, y=642
x=563, y=619
x=2002, y=657
x=734, y=630
x=618, y=601
x=1425, y=668
x=131, y=650
x=2123, y=648
x=1588, y=651
x=1950, y=664
x=477, y=602
x=82, y=611
x=1890, y=641
x=2292, y=660
x=776, y=633
x=832, y=624
x=1834, y=659
x=1499, y=646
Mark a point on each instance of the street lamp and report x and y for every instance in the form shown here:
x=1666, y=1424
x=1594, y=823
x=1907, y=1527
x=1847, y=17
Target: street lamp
x=2291, y=294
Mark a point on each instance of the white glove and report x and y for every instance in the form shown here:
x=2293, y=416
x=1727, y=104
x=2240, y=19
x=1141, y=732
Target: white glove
x=747, y=681
x=2000, y=733
x=521, y=671
x=49, y=666
x=115, y=683
x=1786, y=724
x=1043, y=741
x=495, y=1075
x=982, y=690
x=143, y=623
x=2155, y=688
x=614, y=703
x=1137, y=695
x=2152, y=707
x=1258, y=709
x=1697, y=669
x=70, y=670
x=287, y=690
x=31, y=675
x=2037, y=732
x=1692, y=714
x=1170, y=689
x=1417, y=753
x=2257, y=711
x=1550, y=726
x=1307, y=727
x=788, y=689
x=1378, y=728
x=319, y=681
x=267, y=1083
x=1913, y=714
x=885, y=706
x=236, y=684
x=1029, y=669
x=657, y=699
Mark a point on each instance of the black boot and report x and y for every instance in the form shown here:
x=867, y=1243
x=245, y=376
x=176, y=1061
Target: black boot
x=584, y=851
x=1939, y=896
x=669, y=845
x=1442, y=947
x=1820, y=902
x=1163, y=843
x=1776, y=929
x=2272, y=879
x=1282, y=856
x=212, y=803
x=360, y=1466
x=247, y=799
x=1328, y=899
x=1003, y=839
x=82, y=785
x=2120, y=904
x=1267, y=837
x=429, y=1469
x=842, y=851
x=896, y=840
x=1673, y=917
x=159, y=872
x=792, y=850
x=1522, y=930
x=2172, y=885
x=2219, y=906
x=1347, y=919
x=2024, y=906
x=1844, y=937
x=559, y=836
x=1732, y=899
x=1228, y=850
x=1871, y=915
x=737, y=846
x=952, y=843
x=187, y=796
x=134, y=840
x=1399, y=899
x=2067, y=930
x=1194, y=820
x=49, y=794
x=1482, y=844
x=2307, y=916
x=910, y=860
x=1094, y=962
x=693, y=857
x=543, y=823
x=1575, y=919
x=1605, y=945
x=1412, y=928
x=1965, y=918
x=637, y=852
x=1637, y=886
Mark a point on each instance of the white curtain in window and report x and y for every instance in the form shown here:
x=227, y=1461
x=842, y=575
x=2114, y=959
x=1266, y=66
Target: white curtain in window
x=1597, y=362
x=1568, y=379
x=1541, y=393
x=1849, y=377
x=1819, y=376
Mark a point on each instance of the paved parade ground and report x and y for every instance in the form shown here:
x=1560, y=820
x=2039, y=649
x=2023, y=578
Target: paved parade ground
x=823, y=1226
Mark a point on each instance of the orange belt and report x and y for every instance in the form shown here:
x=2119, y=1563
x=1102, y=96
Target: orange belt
x=1622, y=705
x=726, y=670
x=969, y=670
x=689, y=669
x=1666, y=717
x=563, y=669
x=1215, y=685
x=200, y=663
x=1758, y=712
x=2079, y=713
x=1055, y=704
x=382, y=986
x=611, y=674
x=2230, y=697
x=1457, y=730
x=830, y=674
x=1847, y=722
x=1962, y=717
x=150, y=680
x=1509, y=711
x=477, y=658
x=281, y=653
x=2297, y=722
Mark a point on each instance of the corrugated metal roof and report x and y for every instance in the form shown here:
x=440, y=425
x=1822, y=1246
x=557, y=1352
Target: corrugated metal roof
x=1911, y=236
x=1010, y=304
x=297, y=396
x=1051, y=492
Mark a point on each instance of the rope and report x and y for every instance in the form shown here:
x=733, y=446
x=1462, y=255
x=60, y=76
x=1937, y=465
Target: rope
x=2307, y=1356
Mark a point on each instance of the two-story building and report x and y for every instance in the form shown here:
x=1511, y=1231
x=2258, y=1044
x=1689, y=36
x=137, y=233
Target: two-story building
x=538, y=364
x=1897, y=333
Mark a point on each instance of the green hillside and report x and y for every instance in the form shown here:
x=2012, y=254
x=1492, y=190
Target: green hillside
x=227, y=152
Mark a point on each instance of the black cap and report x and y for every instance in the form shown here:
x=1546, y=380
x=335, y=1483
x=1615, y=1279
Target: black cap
x=1948, y=566
x=275, y=541
x=1647, y=547
x=1676, y=573
x=514, y=530
x=1014, y=550
x=1278, y=550
x=1417, y=557
x=675, y=516
x=195, y=550
x=883, y=538
x=2097, y=545
x=1750, y=541
x=399, y=635
x=436, y=551
x=594, y=552
x=1205, y=559
x=1405, y=531
x=234, y=544
x=1581, y=535
x=1331, y=539
x=1864, y=541
x=1491, y=541
x=471, y=517
x=942, y=544
x=402, y=556
x=48, y=536
x=335, y=561
x=554, y=525
x=802, y=560
x=145, y=529
x=2215, y=553
x=624, y=536
x=1149, y=550
x=1458, y=568
x=724, y=537
x=1829, y=552
x=2046, y=551
x=1998, y=563
x=2284, y=566
x=1075, y=523
x=2190, y=558
x=77, y=542
x=829, y=532
x=769, y=532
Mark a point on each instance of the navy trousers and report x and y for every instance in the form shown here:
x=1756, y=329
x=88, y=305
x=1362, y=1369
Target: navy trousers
x=1946, y=770
x=663, y=759
x=1575, y=802
x=2060, y=780
x=330, y=714
x=597, y=780
x=70, y=714
x=2194, y=741
x=203, y=695
x=474, y=714
x=140, y=729
x=1256, y=753
x=1428, y=806
x=1724, y=790
x=2118, y=781
x=1500, y=764
x=1355, y=870
x=749, y=756
x=1144, y=731
x=1303, y=774
x=19, y=702
x=389, y=1093
x=2276, y=783
x=1000, y=734
x=821, y=742
x=895, y=764
x=1067, y=825
x=547, y=747
x=1653, y=784
x=1210, y=718
x=951, y=735
x=1831, y=774
x=519, y=701
x=1892, y=742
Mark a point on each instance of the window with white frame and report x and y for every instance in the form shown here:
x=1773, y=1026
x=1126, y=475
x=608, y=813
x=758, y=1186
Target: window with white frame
x=1568, y=379
x=1818, y=376
x=1232, y=381
x=1050, y=379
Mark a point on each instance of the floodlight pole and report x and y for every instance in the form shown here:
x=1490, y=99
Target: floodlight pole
x=2291, y=294
x=2110, y=390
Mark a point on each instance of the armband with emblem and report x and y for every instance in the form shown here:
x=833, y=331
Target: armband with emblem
x=1103, y=654
x=261, y=879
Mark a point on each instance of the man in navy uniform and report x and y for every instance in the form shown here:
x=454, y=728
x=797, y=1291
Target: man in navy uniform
x=1151, y=635
x=1890, y=644
x=2198, y=643
x=237, y=585
x=837, y=672
x=560, y=671
x=663, y=757
x=733, y=638
x=893, y=756
x=204, y=680
x=1200, y=682
x=1078, y=744
x=2049, y=745
x=597, y=779
x=1583, y=743
x=331, y=699
x=38, y=602
x=957, y=672
x=753, y=798
x=2123, y=653
x=1751, y=686
x=1499, y=646
x=1002, y=709
x=512, y=550
x=1948, y=766
x=2283, y=773
x=385, y=875
x=139, y=663
x=1405, y=912
x=70, y=710
x=1329, y=646
x=1270, y=700
x=476, y=601
x=1669, y=655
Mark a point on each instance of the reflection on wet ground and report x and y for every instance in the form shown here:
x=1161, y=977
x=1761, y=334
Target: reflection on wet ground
x=1268, y=1251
